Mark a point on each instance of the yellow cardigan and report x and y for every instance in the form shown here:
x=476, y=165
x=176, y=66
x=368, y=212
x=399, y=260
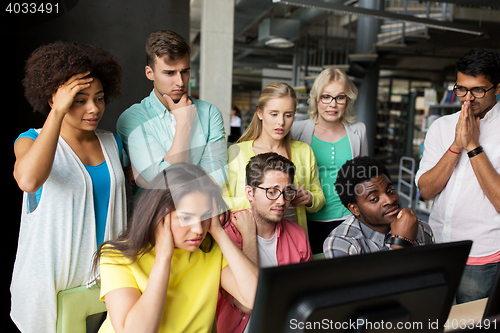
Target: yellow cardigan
x=306, y=175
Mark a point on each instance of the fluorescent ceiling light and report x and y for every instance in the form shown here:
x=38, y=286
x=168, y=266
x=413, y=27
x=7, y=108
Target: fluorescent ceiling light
x=279, y=42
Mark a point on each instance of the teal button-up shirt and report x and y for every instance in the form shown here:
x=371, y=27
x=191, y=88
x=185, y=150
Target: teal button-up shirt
x=146, y=131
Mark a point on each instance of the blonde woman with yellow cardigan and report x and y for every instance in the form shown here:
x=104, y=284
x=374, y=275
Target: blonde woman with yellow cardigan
x=269, y=131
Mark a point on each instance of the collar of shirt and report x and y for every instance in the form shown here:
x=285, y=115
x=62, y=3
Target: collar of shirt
x=377, y=237
x=156, y=105
x=270, y=240
x=279, y=229
x=492, y=114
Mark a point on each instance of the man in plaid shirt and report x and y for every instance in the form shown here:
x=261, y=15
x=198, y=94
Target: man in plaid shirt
x=377, y=222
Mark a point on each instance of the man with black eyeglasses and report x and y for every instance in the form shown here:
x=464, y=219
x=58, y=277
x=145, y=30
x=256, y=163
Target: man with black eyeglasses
x=261, y=231
x=460, y=169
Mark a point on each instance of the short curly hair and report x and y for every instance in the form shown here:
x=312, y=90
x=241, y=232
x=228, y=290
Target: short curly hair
x=49, y=66
x=356, y=171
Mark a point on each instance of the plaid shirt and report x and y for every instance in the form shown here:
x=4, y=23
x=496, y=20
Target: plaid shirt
x=353, y=237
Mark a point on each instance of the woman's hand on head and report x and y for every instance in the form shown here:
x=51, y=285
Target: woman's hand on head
x=164, y=241
x=64, y=97
x=215, y=225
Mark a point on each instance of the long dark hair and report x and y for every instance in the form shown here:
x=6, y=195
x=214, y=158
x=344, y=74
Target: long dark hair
x=158, y=200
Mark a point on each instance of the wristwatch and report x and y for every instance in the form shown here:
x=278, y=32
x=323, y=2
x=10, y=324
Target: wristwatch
x=400, y=240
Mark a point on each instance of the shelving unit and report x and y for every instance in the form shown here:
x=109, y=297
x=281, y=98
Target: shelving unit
x=392, y=123
x=302, y=106
x=444, y=109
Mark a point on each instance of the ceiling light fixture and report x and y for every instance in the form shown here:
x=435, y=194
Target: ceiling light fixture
x=279, y=42
x=279, y=32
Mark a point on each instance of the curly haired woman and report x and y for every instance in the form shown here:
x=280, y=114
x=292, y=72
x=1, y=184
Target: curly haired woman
x=71, y=175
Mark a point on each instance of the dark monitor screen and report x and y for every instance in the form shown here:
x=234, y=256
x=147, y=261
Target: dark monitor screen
x=401, y=290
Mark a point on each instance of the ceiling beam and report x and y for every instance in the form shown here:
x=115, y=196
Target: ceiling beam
x=474, y=3
x=380, y=14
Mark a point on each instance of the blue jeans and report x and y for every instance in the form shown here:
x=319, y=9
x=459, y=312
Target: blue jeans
x=476, y=282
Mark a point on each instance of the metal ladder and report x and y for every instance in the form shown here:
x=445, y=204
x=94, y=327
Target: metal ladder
x=405, y=170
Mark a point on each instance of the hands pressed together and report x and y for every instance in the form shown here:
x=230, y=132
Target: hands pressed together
x=467, y=130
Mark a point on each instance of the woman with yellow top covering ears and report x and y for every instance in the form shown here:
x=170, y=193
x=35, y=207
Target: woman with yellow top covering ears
x=163, y=274
x=269, y=131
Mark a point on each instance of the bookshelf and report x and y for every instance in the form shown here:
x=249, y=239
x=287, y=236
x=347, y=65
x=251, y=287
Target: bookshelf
x=302, y=105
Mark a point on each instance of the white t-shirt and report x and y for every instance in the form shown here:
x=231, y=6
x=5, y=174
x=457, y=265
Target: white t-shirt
x=267, y=257
x=267, y=250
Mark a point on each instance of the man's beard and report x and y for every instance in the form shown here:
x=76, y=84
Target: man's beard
x=264, y=219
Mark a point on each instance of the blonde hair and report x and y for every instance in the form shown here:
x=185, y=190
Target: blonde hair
x=272, y=91
x=323, y=79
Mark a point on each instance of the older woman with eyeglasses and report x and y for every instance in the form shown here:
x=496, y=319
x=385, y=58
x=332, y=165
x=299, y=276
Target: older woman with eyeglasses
x=335, y=137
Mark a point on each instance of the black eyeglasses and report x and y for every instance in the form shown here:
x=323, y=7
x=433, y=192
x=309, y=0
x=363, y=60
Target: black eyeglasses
x=327, y=99
x=476, y=91
x=273, y=193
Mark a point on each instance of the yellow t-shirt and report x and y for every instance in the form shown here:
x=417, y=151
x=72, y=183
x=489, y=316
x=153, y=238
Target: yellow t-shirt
x=192, y=290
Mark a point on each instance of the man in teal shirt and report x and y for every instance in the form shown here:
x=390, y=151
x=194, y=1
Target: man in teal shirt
x=168, y=126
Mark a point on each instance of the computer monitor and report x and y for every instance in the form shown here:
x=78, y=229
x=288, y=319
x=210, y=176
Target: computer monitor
x=402, y=290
